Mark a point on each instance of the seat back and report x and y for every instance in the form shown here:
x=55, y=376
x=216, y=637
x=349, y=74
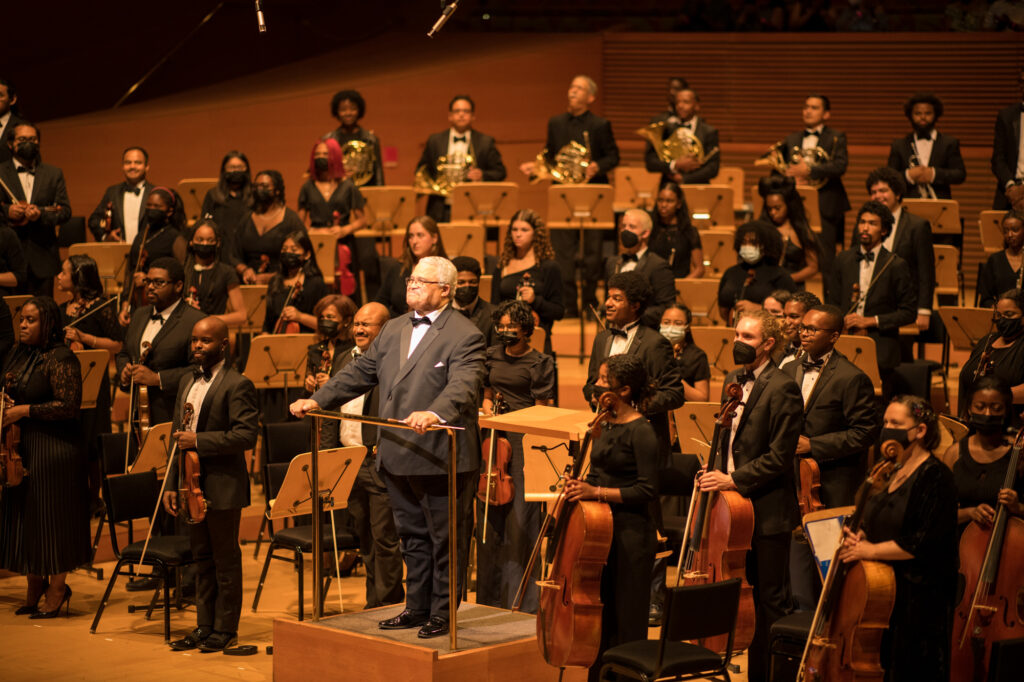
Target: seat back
x=284, y=440
x=699, y=611
x=129, y=497
x=112, y=453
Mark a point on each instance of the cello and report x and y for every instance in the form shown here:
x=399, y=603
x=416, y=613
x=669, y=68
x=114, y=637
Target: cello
x=991, y=559
x=719, y=528
x=856, y=601
x=496, y=486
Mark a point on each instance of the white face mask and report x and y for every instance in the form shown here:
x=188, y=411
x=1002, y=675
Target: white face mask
x=674, y=333
x=750, y=253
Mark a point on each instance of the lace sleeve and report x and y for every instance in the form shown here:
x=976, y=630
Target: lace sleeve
x=64, y=372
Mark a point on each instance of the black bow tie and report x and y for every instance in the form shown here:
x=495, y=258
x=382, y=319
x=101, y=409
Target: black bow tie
x=808, y=133
x=156, y=317
x=790, y=350
x=869, y=256
x=201, y=372
x=627, y=257
x=133, y=190
x=26, y=169
x=459, y=138
x=618, y=332
x=743, y=377
x=419, y=320
x=813, y=364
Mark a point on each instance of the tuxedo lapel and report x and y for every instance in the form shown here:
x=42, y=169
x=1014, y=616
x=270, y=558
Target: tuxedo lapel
x=755, y=393
x=428, y=338
x=827, y=372
x=118, y=208
x=211, y=397
x=10, y=176
x=169, y=322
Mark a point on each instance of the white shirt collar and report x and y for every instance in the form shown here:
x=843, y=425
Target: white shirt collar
x=759, y=369
x=816, y=129
x=433, y=315
x=166, y=312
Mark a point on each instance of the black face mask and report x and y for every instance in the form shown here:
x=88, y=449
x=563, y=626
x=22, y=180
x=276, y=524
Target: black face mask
x=743, y=353
x=320, y=164
x=291, y=260
x=264, y=196
x=27, y=150
x=466, y=295
x=508, y=338
x=987, y=423
x=236, y=178
x=203, y=250
x=1008, y=329
x=327, y=327
x=629, y=238
x=155, y=217
x=898, y=435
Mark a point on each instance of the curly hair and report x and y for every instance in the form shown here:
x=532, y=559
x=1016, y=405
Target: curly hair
x=805, y=298
x=926, y=98
x=519, y=314
x=352, y=96
x=768, y=239
x=894, y=179
x=634, y=286
x=771, y=328
x=882, y=211
x=628, y=371
x=51, y=327
x=922, y=413
x=541, y=244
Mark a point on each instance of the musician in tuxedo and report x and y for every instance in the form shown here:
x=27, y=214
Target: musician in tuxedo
x=628, y=295
x=759, y=465
x=466, y=298
x=34, y=202
x=1007, y=162
x=457, y=144
x=579, y=124
x=8, y=119
x=220, y=426
x=669, y=115
x=164, y=326
x=429, y=367
x=874, y=288
x=118, y=216
x=928, y=160
x=686, y=169
x=635, y=256
x=832, y=200
x=349, y=107
x=793, y=310
x=910, y=238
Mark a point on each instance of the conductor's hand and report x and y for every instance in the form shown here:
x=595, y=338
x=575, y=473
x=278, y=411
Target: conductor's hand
x=171, y=502
x=301, y=406
x=186, y=439
x=421, y=421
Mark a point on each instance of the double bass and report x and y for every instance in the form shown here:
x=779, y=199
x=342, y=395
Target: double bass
x=992, y=561
x=845, y=639
x=496, y=487
x=719, y=528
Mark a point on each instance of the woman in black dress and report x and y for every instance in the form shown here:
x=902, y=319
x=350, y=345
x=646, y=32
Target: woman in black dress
x=1004, y=348
x=673, y=236
x=333, y=315
x=1002, y=270
x=161, y=236
x=295, y=288
x=784, y=209
x=623, y=473
x=744, y=286
x=228, y=203
x=210, y=283
x=523, y=377
x=691, y=360
x=260, y=235
x=44, y=521
x=422, y=239
x=911, y=524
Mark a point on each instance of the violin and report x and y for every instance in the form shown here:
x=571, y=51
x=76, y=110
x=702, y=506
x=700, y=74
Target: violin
x=142, y=406
x=569, y=615
x=346, y=281
x=844, y=642
x=191, y=503
x=496, y=487
x=109, y=233
x=129, y=276
x=290, y=326
x=192, y=296
x=992, y=560
x=12, y=468
x=986, y=365
x=718, y=531
x=80, y=311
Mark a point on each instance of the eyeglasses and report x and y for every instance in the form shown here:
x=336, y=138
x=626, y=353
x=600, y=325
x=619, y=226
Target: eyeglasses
x=805, y=329
x=418, y=281
x=365, y=325
x=155, y=283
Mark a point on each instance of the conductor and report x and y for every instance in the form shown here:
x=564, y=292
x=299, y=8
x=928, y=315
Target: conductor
x=429, y=368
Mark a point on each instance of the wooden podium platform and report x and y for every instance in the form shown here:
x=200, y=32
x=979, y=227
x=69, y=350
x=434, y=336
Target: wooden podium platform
x=495, y=645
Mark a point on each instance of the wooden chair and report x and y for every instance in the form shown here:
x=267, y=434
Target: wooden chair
x=634, y=188
x=943, y=214
x=719, y=254
x=716, y=342
x=735, y=177
x=14, y=304
x=948, y=280
x=388, y=210
x=991, y=230
x=255, y=298
x=486, y=287
x=464, y=239
x=861, y=351
x=700, y=296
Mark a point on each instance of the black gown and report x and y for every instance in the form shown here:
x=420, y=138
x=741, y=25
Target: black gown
x=995, y=277
x=674, y=244
x=210, y=286
x=262, y=251
x=512, y=529
x=1008, y=365
x=980, y=482
x=548, y=300
x=44, y=522
x=920, y=516
x=345, y=199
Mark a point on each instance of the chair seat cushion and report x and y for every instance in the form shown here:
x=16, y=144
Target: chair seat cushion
x=794, y=626
x=169, y=549
x=301, y=538
x=680, y=657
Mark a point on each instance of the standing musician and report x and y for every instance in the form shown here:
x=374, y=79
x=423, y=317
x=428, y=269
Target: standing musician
x=428, y=365
x=930, y=161
x=757, y=273
x=623, y=473
x=669, y=115
x=349, y=107
x=229, y=203
x=999, y=353
x=466, y=298
x=211, y=283
x=911, y=524
x=764, y=437
x=163, y=327
x=118, y=217
x=686, y=170
x=635, y=256
x=695, y=372
x=1007, y=161
x=1003, y=269
x=793, y=311
x=223, y=425
x=9, y=119
x=295, y=288
x=582, y=126
x=474, y=153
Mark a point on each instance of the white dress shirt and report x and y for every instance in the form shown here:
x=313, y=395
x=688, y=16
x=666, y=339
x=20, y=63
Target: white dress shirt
x=621, y=344
x=351, y=432
x=153, y=327
x=811, y=141
x=457, y=151
x=747, y=388
x=131, y=208
x=28, y=180
x=630, y=265
x=867, y=269
x=197, y=394
x=811, y=377
x=419, y=330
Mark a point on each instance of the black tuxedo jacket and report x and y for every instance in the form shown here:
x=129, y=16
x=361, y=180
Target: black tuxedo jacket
x=444, y=375
x=656, y=353
x=764, y=447
x=708, y=136
x=485, y=156
x=227, y=426
x=841, y=420
x=12, y=123
x=39, y=238
x=913, y=244
x=1005, y=147
x=892, y=298
x=115, y=197
x=832, y=199
x=169, y=355
x=945, y=159
x=565, y=128
x=659, y=276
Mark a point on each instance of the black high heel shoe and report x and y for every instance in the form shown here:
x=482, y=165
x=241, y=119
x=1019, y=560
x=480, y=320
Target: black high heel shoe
x=29, y=609
x=56, y=611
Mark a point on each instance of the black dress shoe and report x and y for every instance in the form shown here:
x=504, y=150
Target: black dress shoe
x=218, y=641
x=403, y=621
x=654, y=615
x=142, y=584
x=191, y=640
x=435, y=627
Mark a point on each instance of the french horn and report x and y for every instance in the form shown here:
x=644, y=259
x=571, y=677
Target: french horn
x=678, y=144
x=776, y=158
x=570, y=166
x=449, y=174
x=358, y=159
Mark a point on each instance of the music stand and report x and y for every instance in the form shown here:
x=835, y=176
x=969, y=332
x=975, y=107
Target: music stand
x=695, y=424
x=155, y=449
x=487, y=287
x=255, y=298
x=990, y=227
x=965, y=328
x=94, y=363
x=717, y=343
x=193, y=191
x=111, y=259
x=700, y=296
x=464, y=239
x=943, y=214
x=719, y=254
x=634, y=188
x=325, y=250
x=582, y=208
x=278, y=360
x=388, y=210
x=490, y=204
x=14, y=303
x=710, y=205
x=824, y=531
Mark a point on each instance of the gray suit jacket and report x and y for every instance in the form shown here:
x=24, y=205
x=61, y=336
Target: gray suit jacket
x=443, y=375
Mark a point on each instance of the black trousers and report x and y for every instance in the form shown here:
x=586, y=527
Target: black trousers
x=420, y=505
x=768, y=574
x=374, y=523
x=831, y=235
x=219, y=570
x=567, y=249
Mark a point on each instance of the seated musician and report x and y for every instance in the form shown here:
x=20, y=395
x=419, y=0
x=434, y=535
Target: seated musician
x=1002, y=271
x=462, y=146
x=911, y=524
x=775, y=303
x=523, y=377
x=999, y=353
x=294, y=289
x=260, y=236
x=910, y=239
x=161, y=236
x=784, y=209
x=759, y=463
x=118, y=217
x=210, y=283
x=422, y=239
x=691, y=360
x=673, y=236
x=757, y=274
x=467, y=297
x=222, y=423
x=930, y=161
x=324, y=357
x=623, y=474
x=635, y=256
x=874, y=288
x=793, y=311
x=979, y=461
x=686, y=170
x=349, y=107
